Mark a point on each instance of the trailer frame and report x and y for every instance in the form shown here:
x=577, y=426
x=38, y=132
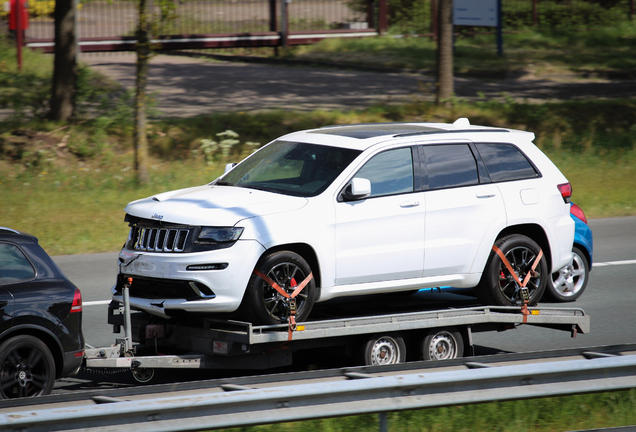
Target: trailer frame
x=208, y=343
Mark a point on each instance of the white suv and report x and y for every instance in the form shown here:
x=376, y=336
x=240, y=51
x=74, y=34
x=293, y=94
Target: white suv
x=357, y=209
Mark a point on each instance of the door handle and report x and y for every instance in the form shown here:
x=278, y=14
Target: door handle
x=485, y=196
x=410, y=204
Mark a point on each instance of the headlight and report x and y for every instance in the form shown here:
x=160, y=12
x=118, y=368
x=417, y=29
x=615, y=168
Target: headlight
x=219, y=234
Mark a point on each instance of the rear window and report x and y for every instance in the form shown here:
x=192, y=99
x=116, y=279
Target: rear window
x=505, y=162
x=14, y=266
x=450, y=165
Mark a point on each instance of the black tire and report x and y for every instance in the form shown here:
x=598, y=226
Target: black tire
x=568, y=284
x=264, y=305
x=442, y=344
x=27, y=368
x=143, y=375
x=497, y=286
x=384, y=349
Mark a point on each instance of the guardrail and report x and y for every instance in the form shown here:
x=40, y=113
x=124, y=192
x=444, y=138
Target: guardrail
x=361, y=394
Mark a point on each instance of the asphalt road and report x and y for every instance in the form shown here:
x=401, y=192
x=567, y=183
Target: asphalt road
x=186, y=86
x=609, y=299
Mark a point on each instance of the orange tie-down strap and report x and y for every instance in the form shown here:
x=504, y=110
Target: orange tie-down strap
x=504, y=260
x=291, y=297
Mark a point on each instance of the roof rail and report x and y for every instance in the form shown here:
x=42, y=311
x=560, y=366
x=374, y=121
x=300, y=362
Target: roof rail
x=448, y=131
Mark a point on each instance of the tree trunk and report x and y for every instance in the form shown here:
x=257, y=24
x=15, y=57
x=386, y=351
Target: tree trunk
x=65, y=63
x=445, y=88
x=143, y=58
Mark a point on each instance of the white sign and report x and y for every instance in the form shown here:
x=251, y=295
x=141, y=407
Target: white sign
x=475, y=13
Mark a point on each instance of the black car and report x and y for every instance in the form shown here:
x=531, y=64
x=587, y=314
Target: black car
x=40, y=319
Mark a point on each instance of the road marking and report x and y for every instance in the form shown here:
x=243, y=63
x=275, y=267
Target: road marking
x=95, y=303
x=613, y=263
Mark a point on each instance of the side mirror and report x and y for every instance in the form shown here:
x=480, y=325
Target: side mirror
x=358, y=189
x=229, y=167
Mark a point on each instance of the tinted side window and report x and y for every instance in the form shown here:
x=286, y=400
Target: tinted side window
x=14, y=266
x=390, y=172
x=450, y=165
x=505, y=162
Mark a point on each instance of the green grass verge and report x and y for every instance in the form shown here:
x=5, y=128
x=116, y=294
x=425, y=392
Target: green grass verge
x=602, y=51
x=566, y=413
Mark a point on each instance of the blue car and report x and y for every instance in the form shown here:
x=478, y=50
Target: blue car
x=569, y=283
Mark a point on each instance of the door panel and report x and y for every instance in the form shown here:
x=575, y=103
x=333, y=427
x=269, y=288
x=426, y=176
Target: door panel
x=461, y=213
x=457, y=222
x=381, y=238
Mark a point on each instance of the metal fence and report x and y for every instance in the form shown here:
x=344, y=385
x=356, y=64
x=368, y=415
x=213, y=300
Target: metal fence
x=116, y=19
x=105, y=19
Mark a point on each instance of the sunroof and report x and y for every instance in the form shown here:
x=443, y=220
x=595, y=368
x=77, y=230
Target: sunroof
x=363, y=131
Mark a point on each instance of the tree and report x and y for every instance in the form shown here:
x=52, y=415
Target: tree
x=65, y=63
x=141, y=100
x=445, y=88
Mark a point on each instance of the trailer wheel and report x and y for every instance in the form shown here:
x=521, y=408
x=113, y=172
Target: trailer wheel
x=262, y=304
x=443, y=344
x=27, y=368
x=143, y=375
x=383, y=350
x=497, y=285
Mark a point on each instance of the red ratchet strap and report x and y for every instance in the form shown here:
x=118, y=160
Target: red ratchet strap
x=291, y=297
x=524, y=307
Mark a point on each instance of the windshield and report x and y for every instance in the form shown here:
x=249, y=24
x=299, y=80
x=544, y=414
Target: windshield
x=291, y=168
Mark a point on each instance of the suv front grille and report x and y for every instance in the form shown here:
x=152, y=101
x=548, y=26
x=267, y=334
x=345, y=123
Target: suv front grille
x=159, y=239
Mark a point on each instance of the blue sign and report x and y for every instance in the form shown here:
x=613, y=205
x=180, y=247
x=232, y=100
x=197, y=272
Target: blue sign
x=476, y=13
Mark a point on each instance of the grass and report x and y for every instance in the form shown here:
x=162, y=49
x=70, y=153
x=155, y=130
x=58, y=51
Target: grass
x=566, y=413
x=604, y=51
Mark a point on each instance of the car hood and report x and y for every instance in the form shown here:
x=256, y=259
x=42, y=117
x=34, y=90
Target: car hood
x=212, y=205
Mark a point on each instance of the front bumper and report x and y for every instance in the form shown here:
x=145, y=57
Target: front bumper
x=170, y=283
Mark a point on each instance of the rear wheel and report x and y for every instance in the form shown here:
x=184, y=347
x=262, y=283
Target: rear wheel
x=498, y=286
x=27, y=368
x=143, y=375
x=262, y=304
x=443, y=344
x=383, y=350
x=569, y=283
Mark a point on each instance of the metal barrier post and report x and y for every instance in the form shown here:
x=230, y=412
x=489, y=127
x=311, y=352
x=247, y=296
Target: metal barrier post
x=384, y=422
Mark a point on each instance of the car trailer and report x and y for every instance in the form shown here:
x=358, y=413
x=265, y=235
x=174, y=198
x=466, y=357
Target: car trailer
x=205, y=343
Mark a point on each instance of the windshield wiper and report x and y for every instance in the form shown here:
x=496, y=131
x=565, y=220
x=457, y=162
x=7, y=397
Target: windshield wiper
x=223, y=183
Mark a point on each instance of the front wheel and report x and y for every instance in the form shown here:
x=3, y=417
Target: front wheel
x=498, y=286
x=569, y=283
x=262, y=304
x=383, y=350
x=27, y=368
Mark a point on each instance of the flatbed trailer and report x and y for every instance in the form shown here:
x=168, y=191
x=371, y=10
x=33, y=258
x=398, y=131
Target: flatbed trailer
x=152, y=343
